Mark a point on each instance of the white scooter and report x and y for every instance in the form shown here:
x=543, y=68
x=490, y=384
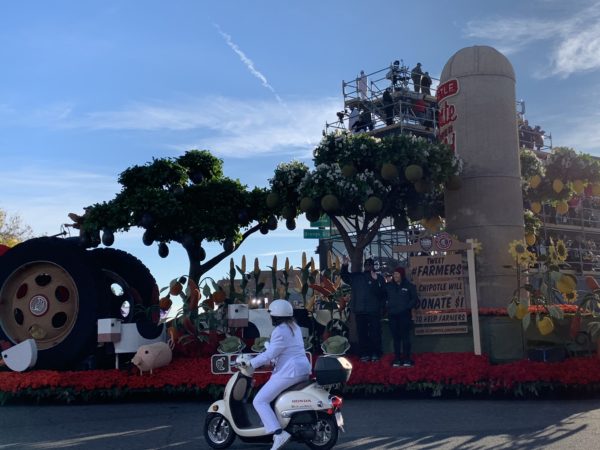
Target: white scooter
x=306, y=410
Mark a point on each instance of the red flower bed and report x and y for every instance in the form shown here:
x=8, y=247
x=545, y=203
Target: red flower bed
x=433, y=373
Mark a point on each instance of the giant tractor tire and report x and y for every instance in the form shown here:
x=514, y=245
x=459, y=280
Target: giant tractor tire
x=50, y=290
x=132, y=290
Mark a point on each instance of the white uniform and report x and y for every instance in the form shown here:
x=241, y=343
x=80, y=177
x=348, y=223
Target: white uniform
x=286, y=350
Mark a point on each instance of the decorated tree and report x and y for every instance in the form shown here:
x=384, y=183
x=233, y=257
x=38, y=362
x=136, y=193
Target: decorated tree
x=562, y=175
x=358, y=181
x=186, y=200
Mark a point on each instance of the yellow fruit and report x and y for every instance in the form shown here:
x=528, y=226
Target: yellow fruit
x=545, y=326
x=272, y=200
x=389, y=171
x=536, y=207
x=566, y=284
x=530, y=238
x=535, y=181
x=557, y=185
x=562, y=207
x=578, y=186
x=596, y=189
x=373, y=205
x=306, y=203
x=329, y=202
x=522, y=311
x=413, y=172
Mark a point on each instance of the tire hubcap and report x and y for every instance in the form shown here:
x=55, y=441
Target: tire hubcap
x=39, y=300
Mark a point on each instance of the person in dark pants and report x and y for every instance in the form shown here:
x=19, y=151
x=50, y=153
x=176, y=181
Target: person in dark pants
x=388, y=107
x=401, y=298
x=368, y=297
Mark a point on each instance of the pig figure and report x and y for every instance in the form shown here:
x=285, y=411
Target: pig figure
x=152, y=356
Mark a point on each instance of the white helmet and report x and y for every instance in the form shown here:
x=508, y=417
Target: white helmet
x=281, y=308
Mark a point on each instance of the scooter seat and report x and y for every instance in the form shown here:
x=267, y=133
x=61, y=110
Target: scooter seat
x=298, y=386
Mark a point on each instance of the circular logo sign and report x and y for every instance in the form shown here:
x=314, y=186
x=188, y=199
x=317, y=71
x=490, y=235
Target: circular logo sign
x=38, y=305
x=443, y=241
x=426, y=243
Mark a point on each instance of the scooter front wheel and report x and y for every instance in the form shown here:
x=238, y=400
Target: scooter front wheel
x=218, y=432
x=326, y=433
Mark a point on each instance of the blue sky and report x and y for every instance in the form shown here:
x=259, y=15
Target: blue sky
x=88, y=89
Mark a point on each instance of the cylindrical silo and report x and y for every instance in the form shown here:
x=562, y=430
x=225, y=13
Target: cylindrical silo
x=478, y=118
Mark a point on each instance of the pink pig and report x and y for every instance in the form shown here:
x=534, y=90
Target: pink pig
x=152, y=356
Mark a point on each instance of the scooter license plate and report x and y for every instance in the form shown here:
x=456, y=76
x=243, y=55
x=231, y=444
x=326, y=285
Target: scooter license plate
x=339, y=419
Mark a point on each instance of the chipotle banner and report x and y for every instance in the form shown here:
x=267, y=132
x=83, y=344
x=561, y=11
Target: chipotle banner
x=440, y=285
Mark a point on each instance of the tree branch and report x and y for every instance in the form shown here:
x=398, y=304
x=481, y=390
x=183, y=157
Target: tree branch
x=224, y=254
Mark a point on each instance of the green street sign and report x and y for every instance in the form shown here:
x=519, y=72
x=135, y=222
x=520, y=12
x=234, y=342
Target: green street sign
x=317, y=233
x=322, y=222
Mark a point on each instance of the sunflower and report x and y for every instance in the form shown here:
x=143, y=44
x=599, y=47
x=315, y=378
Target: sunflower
x=561, y=250
x=518, y=250
x=552, y=254
x=477, y=246
x=570, y=297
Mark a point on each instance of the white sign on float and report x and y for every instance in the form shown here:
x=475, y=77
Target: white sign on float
x=439, y=281
x=447, y=113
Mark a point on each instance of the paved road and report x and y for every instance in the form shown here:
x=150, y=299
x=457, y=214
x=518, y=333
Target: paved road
x=381, y=424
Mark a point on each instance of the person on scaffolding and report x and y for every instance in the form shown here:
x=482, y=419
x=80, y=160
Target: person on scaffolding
x=388, y=107
x=394, y=73
x=415, y=74
x=426, y=84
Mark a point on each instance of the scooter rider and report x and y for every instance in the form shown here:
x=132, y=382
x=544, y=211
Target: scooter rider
x=291, y=366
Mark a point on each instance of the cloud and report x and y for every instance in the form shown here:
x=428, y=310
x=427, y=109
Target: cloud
x=574, y=39
x=43, y=195
x=236, y=128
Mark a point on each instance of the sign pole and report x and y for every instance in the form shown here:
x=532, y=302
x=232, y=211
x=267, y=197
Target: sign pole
x=473, y=295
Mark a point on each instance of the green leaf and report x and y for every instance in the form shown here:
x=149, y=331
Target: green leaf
x=555, y=312
x=526, y=321
x=511, y=309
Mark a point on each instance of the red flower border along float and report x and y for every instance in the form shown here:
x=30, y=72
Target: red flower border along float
x=434, y=374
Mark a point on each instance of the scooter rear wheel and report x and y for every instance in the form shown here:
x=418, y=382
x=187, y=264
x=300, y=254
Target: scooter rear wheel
x=218, y=432
x=326, y=433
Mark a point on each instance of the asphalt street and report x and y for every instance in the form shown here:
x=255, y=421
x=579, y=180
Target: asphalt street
x=375, y=424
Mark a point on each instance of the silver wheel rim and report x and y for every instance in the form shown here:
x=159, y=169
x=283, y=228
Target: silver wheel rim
x=39, y=300
x=324, y=432
x=219, y=433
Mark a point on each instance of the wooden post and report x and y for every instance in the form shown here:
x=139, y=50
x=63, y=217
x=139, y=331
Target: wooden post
x=473, y=296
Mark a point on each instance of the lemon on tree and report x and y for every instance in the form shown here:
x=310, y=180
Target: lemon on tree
x=522, y=310
x=536, y=207
x=535, y=181
x=557, y=185
x=578, y=186
x=413, y=172
x=562, y=207
x=530, y=239
x=545, y=326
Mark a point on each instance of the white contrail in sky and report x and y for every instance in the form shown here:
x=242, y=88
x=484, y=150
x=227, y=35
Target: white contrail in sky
x=248, y=63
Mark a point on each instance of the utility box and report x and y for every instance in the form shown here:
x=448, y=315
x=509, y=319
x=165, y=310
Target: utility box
x=109, y=330
x=237, y=315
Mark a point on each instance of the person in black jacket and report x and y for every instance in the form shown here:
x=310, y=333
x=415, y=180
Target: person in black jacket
x=401, y=298
x=368, y=297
